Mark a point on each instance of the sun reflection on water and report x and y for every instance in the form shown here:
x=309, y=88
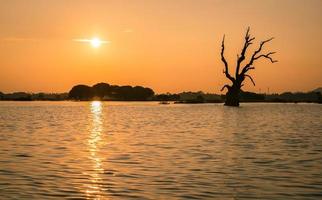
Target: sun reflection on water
x=94, y=188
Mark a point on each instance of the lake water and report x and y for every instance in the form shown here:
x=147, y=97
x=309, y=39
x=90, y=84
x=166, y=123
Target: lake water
x=143, y=150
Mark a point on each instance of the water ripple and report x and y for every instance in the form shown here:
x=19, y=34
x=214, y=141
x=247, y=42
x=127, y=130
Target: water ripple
x=133, y=150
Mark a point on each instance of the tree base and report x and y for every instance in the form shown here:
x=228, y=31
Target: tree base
x=232, y=98
x=231, y=104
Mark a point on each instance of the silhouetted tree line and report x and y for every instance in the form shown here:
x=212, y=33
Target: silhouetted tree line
x=105, y=91
x=251, y=97
x=309, y=97
x=295, y=97
x=166, y=97
x=244, y=96
x=24, y=96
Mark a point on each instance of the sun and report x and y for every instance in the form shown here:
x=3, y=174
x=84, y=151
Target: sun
x=96, y=42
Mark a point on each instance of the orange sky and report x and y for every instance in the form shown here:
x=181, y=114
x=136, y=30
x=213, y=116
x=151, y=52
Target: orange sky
x=168, y=45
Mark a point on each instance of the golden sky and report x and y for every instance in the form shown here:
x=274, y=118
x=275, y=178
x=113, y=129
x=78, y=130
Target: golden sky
x=168, y=45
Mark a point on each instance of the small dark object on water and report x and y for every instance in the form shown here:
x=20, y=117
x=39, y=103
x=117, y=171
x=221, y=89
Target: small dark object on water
x=164, y=102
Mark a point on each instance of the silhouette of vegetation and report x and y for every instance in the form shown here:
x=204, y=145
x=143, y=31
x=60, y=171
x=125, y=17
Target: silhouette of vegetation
x=199, y=99
x=104, y=91
x=241, y=73
x=189, y=97
x=17, y=96
x=309, y=97
x=167, y=97
x=251, y=97
x=81, y=92
x=319, y=90
x=23, y=96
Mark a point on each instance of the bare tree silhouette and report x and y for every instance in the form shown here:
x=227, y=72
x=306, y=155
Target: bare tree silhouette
x=232, y=95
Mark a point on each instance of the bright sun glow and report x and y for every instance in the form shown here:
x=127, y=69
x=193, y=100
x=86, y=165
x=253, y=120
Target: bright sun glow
x=95, y=41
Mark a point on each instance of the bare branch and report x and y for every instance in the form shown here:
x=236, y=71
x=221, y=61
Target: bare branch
x=226, y=72
x=250, y=79
x=249, y=68
x=246, y=70
x=248, y=42
x=267, y=56
x=225, y=86
x=255, y=56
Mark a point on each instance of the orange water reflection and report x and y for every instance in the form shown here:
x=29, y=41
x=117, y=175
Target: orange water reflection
x=94, y=188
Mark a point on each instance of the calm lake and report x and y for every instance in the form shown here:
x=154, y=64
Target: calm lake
x=143, y=150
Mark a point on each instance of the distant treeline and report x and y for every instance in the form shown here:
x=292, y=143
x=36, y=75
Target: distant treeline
x=200, y=97
x=24, y=96
x=295, y=97
x=104, y=91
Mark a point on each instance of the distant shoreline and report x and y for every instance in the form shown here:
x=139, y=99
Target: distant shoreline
x=106, y=92
x=170, y=102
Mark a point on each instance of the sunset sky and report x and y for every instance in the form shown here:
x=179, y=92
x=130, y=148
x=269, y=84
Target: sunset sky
x=168, y=45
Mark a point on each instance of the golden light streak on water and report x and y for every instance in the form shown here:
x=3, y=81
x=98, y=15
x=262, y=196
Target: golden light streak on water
x=94, y=188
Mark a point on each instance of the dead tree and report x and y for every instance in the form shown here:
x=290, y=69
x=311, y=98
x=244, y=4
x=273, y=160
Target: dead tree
x=232, y=95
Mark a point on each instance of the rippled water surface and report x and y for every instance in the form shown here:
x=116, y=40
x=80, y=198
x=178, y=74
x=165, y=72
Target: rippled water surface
x=115, y=150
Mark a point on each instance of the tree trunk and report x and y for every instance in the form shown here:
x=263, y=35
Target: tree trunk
x=232, y=96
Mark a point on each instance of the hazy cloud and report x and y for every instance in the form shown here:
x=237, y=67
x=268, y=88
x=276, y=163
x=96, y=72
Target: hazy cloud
x=19, y=39
x=128, y=31
x=91, y=40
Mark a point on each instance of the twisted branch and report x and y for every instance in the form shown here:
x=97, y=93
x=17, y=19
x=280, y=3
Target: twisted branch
x=248, y=42
x=267, y=56
x=226, y=72
x=255, y=56
x=250, y=79
x=225, y=86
